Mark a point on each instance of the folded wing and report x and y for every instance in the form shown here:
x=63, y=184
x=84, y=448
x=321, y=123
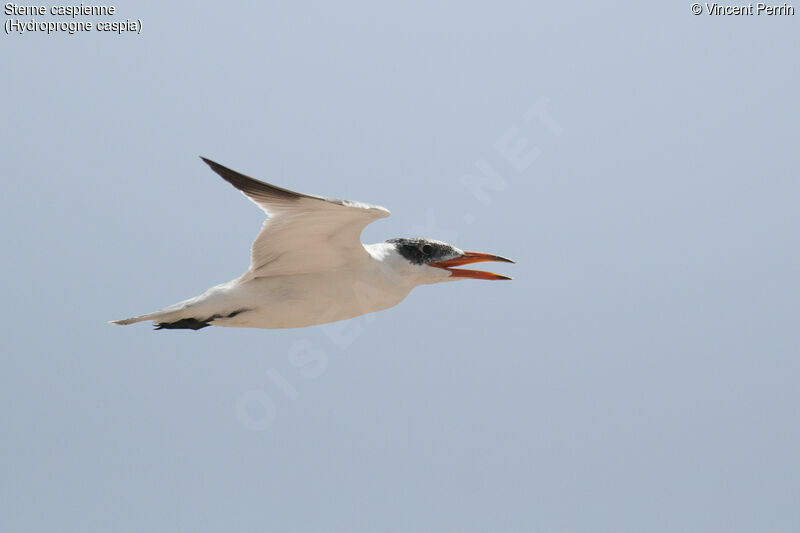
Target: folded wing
x=303, y=233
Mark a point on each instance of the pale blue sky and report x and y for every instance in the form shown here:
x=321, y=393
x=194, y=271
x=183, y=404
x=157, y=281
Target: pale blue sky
x=639, y=374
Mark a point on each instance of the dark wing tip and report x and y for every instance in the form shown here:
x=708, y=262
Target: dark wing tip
x=213, y=164
x=263, y=193
x=216, y=167
x=255, y=189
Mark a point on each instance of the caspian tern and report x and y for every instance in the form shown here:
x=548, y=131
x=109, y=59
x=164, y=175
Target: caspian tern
x=308, y=266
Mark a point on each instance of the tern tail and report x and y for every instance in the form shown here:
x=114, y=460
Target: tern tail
x=194, y=313
x=183, y=315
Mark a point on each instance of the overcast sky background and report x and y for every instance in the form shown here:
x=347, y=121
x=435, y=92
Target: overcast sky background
x=639, y=374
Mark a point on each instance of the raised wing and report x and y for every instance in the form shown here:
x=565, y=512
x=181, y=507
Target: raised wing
x=303, y=233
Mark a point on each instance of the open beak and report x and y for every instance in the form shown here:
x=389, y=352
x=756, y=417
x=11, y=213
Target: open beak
x=469, y=258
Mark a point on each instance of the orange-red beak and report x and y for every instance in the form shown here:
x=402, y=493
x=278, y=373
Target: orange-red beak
x=469, y=258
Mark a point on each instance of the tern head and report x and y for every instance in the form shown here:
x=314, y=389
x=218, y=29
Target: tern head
x=435, y=261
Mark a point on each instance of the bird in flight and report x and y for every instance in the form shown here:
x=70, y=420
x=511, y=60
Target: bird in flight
x=308, y=266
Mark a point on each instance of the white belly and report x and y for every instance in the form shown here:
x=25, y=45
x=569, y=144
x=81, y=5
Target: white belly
x=307, y=299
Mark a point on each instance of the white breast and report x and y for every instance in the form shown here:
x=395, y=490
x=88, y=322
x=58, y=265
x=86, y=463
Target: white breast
x=300, y=300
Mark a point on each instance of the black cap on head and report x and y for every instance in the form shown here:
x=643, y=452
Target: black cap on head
x=420, y=251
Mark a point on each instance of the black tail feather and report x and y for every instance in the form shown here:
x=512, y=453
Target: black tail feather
x=185, y=323
x=195, y=324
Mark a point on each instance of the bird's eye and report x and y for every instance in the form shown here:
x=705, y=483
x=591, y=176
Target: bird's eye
x=427, y=249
